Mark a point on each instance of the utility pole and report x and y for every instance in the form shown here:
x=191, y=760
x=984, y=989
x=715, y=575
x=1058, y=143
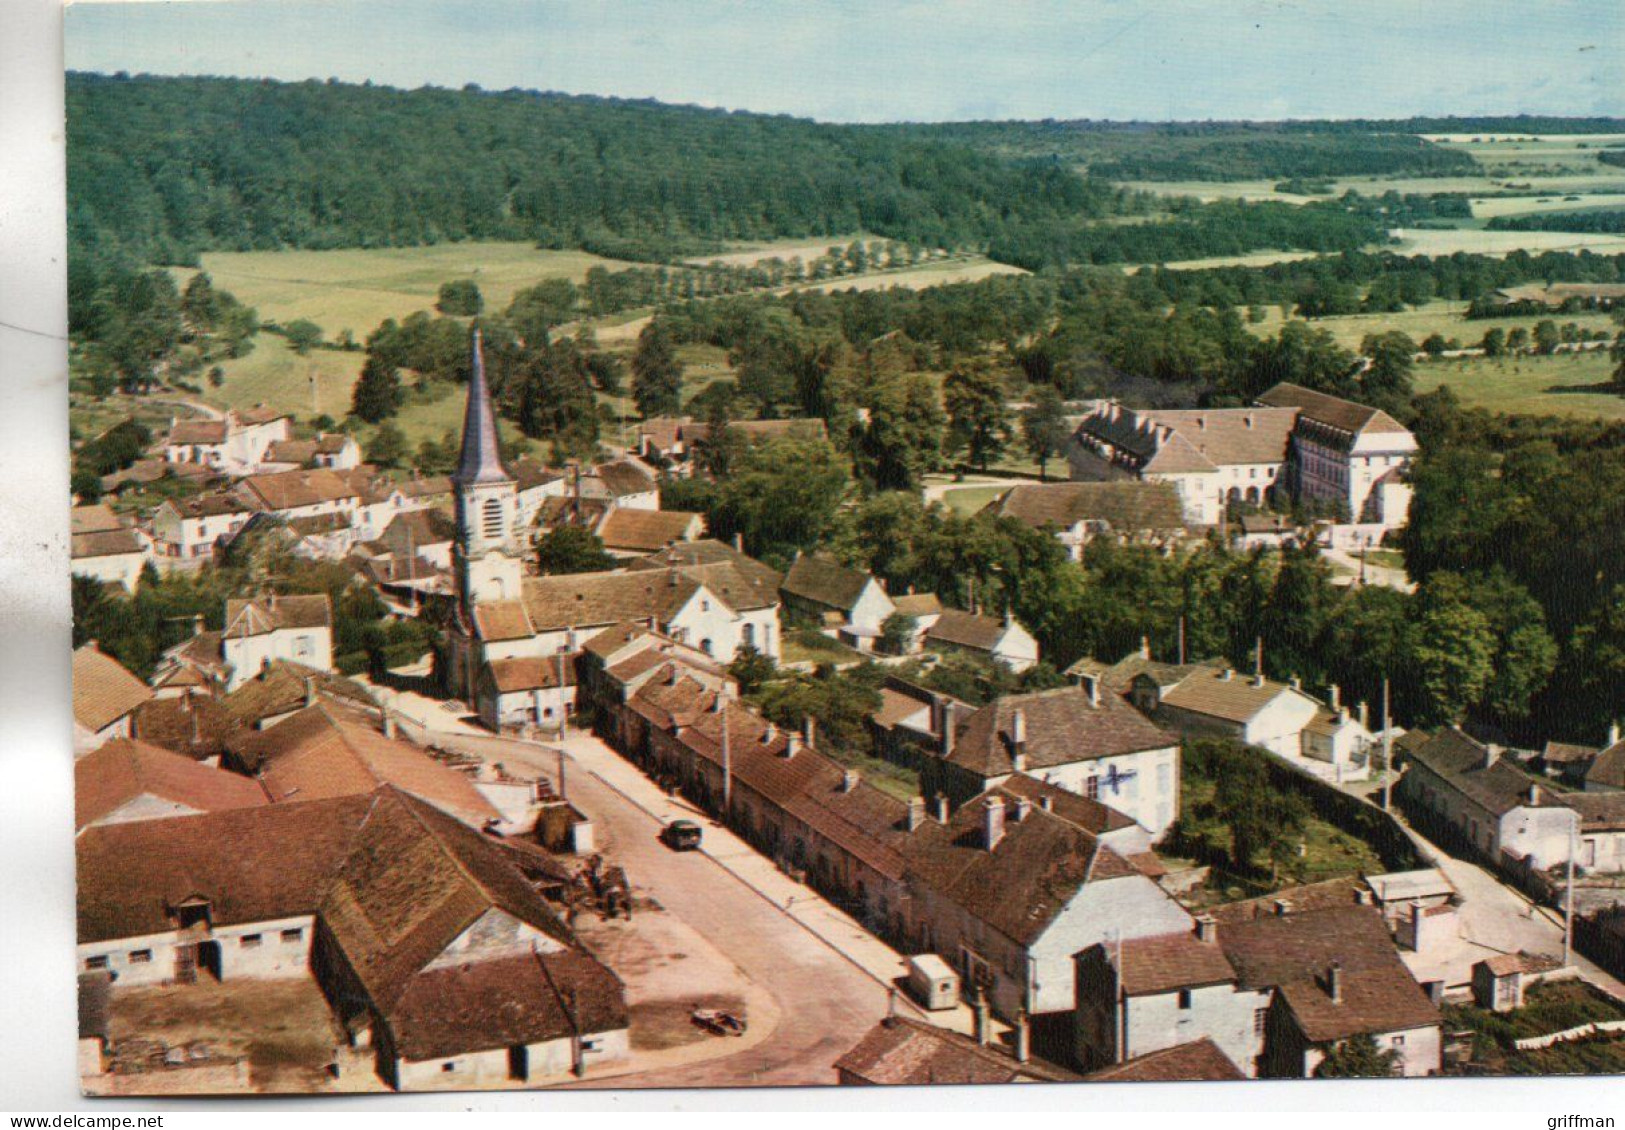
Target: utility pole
x=1568, y=897
x=1182, y=639
x=727, y=767
x=1387, y=751
x=564, y=719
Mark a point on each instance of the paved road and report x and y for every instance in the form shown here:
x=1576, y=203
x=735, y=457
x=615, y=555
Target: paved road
x=825, y=1001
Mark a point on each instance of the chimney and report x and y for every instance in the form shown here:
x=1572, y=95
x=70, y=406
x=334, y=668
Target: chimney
x=1226, y=675
x=1018, y=729
x=1335, y=697
x=1613, y=732
x=1024, y=808
x=1492, y=753
x=1534, y=793
x=739, y=542
x=1091, y=683
x=1334, y=982
x=916, y=813
x=849, y=780
x=389, y=724
x=792, y=745
x=809, y=731
x=1145, y=647
x=1046, y=802
x=769, y=734
x=984, y=1019
x=939, y=804
x=1249, y=419
x=197, y=625
x=1207, y=928
x=1282, y=908
x=1363, y=897
x=1258, y=679
x=1297, y=683
x=992, y=822
x=1023, y=1037
x=310, y=690
x=1365, y=716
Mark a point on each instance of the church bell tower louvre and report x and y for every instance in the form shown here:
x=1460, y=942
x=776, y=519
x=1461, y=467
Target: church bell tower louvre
x=487, y=555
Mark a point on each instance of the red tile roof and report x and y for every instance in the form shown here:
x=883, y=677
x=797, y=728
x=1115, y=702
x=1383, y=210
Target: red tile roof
x=103, y=691
x=1063, y=726
x=1167, y=962
x=903, y=1052
x=1200, y=1061
x=108, y=778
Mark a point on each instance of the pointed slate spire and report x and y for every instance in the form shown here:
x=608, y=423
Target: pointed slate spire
x=480, y=461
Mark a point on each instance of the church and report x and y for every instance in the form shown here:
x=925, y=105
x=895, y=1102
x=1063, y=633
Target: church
x=710, y=596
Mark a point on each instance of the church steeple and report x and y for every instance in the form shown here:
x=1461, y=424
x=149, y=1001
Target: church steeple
x=481, y=458
x=487, y=552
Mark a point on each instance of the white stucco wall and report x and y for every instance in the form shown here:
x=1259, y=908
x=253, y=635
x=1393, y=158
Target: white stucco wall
x=1147, y=785
x=1223, y=1013
x=549, y=1062
x=1130, y=907
x=247, y=656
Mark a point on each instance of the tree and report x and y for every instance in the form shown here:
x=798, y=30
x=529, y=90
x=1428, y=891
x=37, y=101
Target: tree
x=1547, y=337
x=1434, y=344
x=1261, y=818
x=657, y=375
x=902, y=438
x=303, y=335
x=536, y=310
x=377, y=394
x=460, y=297
x=751, y=669
x=1358, y=1057
x=1517, y=340
x=1495, y=342
x=388, y=446
x=782, y=496
x=572, y=549
x=1453, y=652
x=1387, y=380
x=1043, y=428
x=978, y=422
x=897, y=633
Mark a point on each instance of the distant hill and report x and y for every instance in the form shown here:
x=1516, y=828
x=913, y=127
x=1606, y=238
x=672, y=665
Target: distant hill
x=164, y=167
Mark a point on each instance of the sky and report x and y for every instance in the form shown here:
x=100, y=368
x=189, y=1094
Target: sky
x=901, y=60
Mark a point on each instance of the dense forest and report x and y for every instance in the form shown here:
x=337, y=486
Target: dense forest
x=1593, y=220
x=1209, y=150
x=161, y=169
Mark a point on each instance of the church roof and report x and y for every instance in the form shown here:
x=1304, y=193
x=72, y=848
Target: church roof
x=480, y=461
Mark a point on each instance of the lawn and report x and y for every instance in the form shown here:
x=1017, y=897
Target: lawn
x=808, y=645
x=1550, y=1007
x=1567, y=384
x=274, y=374
x=969, y=500
x=357, y=289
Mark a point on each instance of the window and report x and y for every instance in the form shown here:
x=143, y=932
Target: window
x=1261, y=1018
x=1399, y=1041
x=249, y=941
x=491, y=518
x=140, y=957
x=449, y=1065
x=97, y=962
x=1091, y=788
x=293, y=935
x=1184, y=999
x=303, y=646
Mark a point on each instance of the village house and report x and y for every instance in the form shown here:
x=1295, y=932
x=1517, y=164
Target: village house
x=1146, y=513
x=1328, y=740
x=845, y=602
x=476, y=980
x=305, y=494
x=629, y=532
x=534, y=484
x=1556, y=296
x=1088, y=743
x=112, y=556
x=1275, y=993
x=288, y=627
x=426, y=534
x=105, y=695
x=194, y=724
x=1003, y=641
x=1467, y=792
x=328, y=750
x=1198, y=1061
x=126, y=780
x=235, y=443
x=909, y=726
x=333, y=451
x=900, y=1051
x=527, y=691
x=186, y=530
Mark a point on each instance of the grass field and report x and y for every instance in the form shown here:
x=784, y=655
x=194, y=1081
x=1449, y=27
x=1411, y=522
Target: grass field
x=970, y=269
x=1494, y=206
x=806, y=249
x=968, y=500
x=357, y=289
x=1600, y=178
x=1417, y=241
x=274, y=374
x=1447, y=318
x=1570, y=384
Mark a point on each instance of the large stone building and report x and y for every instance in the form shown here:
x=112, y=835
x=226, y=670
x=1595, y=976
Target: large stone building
x=1294, y=443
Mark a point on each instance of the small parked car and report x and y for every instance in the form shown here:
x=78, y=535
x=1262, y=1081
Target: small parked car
x=681, y=835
